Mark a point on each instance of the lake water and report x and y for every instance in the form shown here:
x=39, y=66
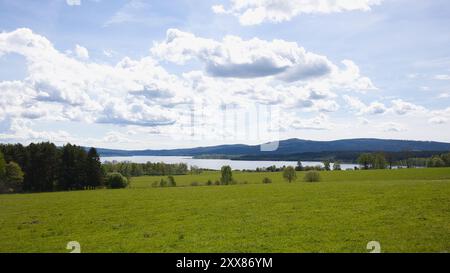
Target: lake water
x=215, y=164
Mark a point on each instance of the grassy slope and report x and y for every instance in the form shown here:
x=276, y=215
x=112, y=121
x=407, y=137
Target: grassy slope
x=406, y=215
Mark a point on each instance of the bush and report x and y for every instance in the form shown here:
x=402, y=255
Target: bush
x=289, y=174
x=172, y=182
x=155, y=184
x=14, y=177
x=226, y=175
x=266, y=180
x=217, y=183
x=195, y=184
x=116, y=181
x=209, y=183
x=163, y=183
x=312, y=176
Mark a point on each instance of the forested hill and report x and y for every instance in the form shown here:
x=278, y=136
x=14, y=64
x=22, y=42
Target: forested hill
x=294, y=146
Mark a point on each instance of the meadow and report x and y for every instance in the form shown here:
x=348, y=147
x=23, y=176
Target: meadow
x=276, y=177
x=406, y=210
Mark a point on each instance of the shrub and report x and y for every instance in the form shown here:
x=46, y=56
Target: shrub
x=171, y=182
x=312, y=176
x=155, y=184
x=163, y=183
x=289, y=174
x=217, y=183
x=226, y=175
x=14, y=177
x=116, y=181
x=209, y=183
x=436, y=162
x=195, y=184
x=266, y=180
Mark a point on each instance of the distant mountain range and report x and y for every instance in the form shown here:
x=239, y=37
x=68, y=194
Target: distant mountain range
x=291, y=147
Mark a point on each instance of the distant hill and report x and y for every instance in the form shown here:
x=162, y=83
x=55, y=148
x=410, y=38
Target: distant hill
x=292, y=146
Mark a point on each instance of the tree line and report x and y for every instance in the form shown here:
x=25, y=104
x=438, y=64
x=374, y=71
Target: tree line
x=41, y=167
x=129, y=169
x=383, y=160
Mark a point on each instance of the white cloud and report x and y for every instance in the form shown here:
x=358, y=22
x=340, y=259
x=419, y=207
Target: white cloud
x=73, y=2
x=402, y=107
x=326, y=106
x=253, y=12
x=142, y=94
x=438, y=120
x=363, y=109
x=444, y=95
x=219, y=9
x=132, y=92
x=236, y=58
x=439, y=116
x=81, y=52
x=376, y=108
x=398, y=106
x=20, y=130
x=109, y=52
x=393, y=127
x=320, y=122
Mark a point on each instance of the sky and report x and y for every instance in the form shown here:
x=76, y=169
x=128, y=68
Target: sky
x=136, y=74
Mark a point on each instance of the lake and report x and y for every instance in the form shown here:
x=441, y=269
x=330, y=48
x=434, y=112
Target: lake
x=216, y=164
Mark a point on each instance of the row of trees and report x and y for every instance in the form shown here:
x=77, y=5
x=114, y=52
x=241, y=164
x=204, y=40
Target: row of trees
x=382, y=161
x=129, y=169
x=372, y=161
x=46, y=167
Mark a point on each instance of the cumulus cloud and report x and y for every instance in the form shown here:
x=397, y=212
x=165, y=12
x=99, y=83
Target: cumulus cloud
x=234, y=57
x=363, y=109
x=398, y=106
x=320, y=122
x=81, y=52
x=141, y=93
x=438, y=120
x=439, y=116
x=253, y=12
x=132, y=92
x=402, y=107
x=20, y=130
x=245, y=59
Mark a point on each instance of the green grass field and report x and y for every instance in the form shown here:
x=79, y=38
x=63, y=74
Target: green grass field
x=331, y=176
x=405, y=210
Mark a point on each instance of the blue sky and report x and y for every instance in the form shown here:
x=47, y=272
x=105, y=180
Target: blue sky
x=161, y=74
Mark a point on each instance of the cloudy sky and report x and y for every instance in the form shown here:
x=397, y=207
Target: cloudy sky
x=138, y=74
